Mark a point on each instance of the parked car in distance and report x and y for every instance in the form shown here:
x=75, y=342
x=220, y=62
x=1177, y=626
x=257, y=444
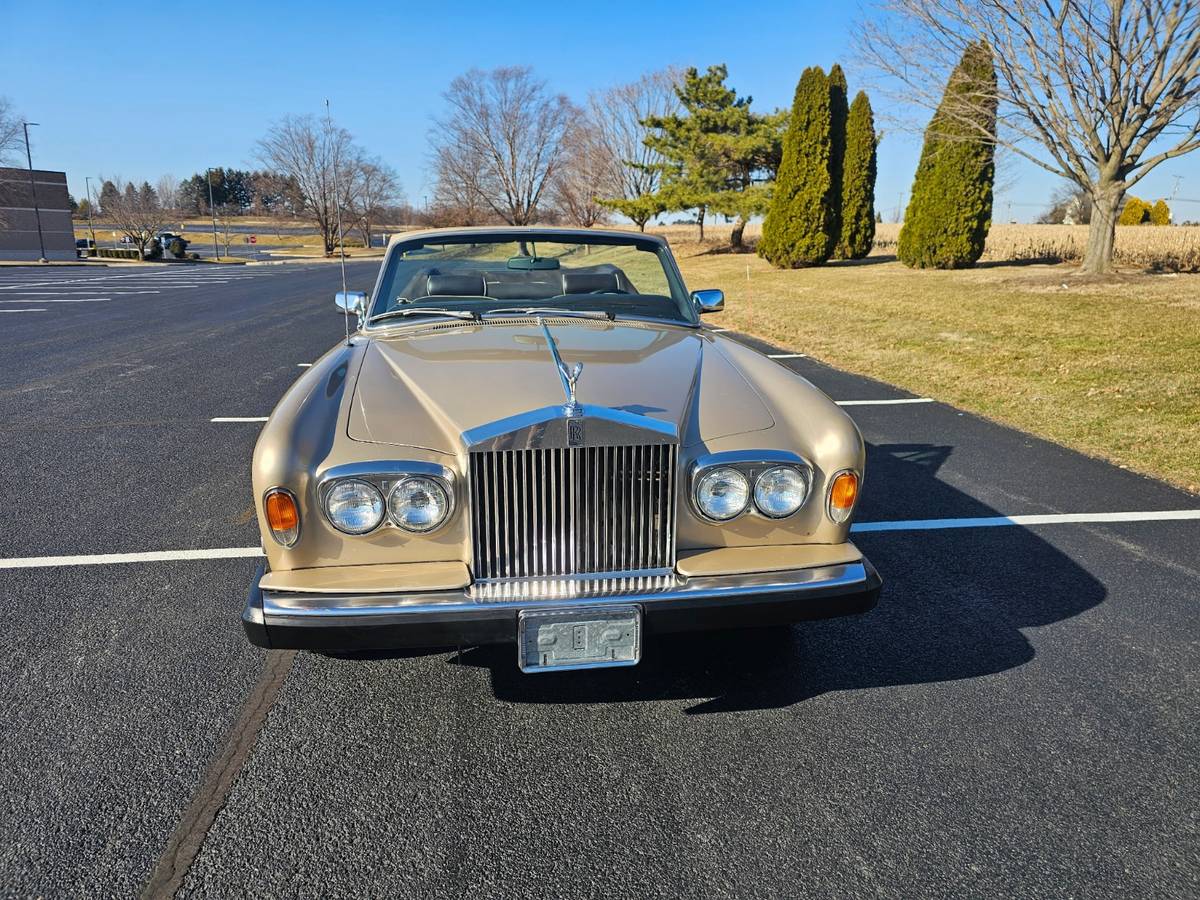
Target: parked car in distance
x=530, y=438
x=84, y=247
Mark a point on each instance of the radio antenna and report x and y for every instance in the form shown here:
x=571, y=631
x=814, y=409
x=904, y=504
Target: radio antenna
x=337, y=206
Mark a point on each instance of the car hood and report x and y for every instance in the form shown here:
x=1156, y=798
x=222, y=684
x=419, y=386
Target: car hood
x=424, y=386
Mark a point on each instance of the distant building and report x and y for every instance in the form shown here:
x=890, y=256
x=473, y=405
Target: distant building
x=18, y=223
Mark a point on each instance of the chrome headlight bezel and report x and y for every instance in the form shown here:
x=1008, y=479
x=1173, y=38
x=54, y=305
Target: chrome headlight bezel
x=805, y=475
x=711, y=472
x=437, y=484
x=384, y=476
x=354, y=483
x=752, y=464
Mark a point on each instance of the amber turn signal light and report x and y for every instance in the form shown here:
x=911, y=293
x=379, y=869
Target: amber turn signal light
x=842, y=494
x=283, y=516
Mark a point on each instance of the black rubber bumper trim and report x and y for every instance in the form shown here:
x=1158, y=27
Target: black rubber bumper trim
x=252, y=615
x=497, y=626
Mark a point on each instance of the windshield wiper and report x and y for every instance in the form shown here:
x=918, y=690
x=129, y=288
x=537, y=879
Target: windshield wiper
x=552, y=311
x=424, y=311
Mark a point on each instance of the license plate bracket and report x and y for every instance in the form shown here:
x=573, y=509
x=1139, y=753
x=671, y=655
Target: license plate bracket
x=586, y=637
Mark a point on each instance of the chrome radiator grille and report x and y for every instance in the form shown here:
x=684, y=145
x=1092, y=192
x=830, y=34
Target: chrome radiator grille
x=573, y=511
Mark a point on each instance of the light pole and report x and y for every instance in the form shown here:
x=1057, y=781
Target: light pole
x=91, y=229
x=33, y=189
x=213, y=210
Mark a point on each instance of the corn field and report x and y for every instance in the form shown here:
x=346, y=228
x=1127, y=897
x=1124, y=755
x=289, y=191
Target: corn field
x=1172, y=249
x=1167, y=249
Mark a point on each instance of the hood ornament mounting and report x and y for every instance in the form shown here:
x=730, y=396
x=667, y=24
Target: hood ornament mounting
x=568, y=376
x=570, y=379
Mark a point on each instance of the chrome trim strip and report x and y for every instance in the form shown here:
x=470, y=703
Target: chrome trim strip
x=284, y=604
x=547, y=428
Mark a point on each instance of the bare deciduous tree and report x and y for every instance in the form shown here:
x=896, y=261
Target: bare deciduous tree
x=1097, y=93
x=136, y=214
x=585, y=174
x=226, y=216
x=10, y=133
x=376, y=188
x=306, y=152
x=512, y=128
x=167, y=188
x=619, y=114
x=456, y=196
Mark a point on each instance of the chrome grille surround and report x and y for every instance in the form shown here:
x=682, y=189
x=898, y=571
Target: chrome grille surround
x=561, y=520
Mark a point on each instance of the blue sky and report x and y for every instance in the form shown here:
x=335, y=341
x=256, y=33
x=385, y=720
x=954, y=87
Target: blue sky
x=142, y=90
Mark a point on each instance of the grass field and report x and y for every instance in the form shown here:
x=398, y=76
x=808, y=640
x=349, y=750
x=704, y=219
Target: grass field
x=1109, y=367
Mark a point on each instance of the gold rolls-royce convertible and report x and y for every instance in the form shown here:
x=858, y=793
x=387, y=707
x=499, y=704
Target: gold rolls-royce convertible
x=530, y=438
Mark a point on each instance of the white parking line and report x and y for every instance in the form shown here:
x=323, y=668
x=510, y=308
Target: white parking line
x=239, y=419
x=104, y=559
x=107, y=559
x=304, y=365
x=883, y=402
x=21, y=310
x=107, y=288
x=62, y=300
x=1169, y=515
x=787, y=355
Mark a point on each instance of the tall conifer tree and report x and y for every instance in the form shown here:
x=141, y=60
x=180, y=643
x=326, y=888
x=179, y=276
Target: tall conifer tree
x=839, y=111
x=950, y=211
x=858, y=182
x=798, y=228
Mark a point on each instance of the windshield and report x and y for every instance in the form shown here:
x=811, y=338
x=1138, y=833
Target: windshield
x=493, y=273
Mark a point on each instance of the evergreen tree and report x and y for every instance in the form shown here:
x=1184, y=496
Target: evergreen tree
x=950, y=210
x=716, y=152
x=797, y=230
x=858, y=182
x=147, y=196
x=108, y=194
x=838, y=113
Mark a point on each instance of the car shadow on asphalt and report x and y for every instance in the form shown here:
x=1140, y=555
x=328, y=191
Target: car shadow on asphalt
x=954, y=604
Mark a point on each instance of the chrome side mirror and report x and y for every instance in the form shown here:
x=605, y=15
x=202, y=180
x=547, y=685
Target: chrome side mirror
x=351, y=302
x=708, y=301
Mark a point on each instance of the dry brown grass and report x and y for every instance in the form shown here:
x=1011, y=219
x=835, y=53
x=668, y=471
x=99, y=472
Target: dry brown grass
x=1108, y=367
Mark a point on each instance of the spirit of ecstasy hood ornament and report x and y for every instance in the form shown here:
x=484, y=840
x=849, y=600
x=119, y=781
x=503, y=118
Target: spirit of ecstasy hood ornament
x=569, y=377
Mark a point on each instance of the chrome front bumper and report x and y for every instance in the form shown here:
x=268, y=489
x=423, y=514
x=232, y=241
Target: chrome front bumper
x=285, y=619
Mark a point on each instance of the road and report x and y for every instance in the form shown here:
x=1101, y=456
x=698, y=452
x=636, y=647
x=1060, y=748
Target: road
x=1017, y=717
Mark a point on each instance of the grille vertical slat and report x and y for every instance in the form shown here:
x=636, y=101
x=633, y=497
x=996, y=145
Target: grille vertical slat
x=539, y=513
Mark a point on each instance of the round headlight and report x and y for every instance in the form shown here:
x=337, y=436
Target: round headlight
x=780, y=491
x=418, y=503
x=354, y=507
x=722, y=493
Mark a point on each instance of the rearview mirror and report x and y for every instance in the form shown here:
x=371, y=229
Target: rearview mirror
x=708, y=301
x=351, y=302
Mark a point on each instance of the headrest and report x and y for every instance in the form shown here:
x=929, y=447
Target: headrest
x=456, y=285
x=523, y=290
x=589, y=282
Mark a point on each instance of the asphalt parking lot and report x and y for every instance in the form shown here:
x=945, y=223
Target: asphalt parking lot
x=1017, y=717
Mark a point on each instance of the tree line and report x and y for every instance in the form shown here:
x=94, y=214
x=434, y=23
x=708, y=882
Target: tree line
x=312, y=169
x=509, y=150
